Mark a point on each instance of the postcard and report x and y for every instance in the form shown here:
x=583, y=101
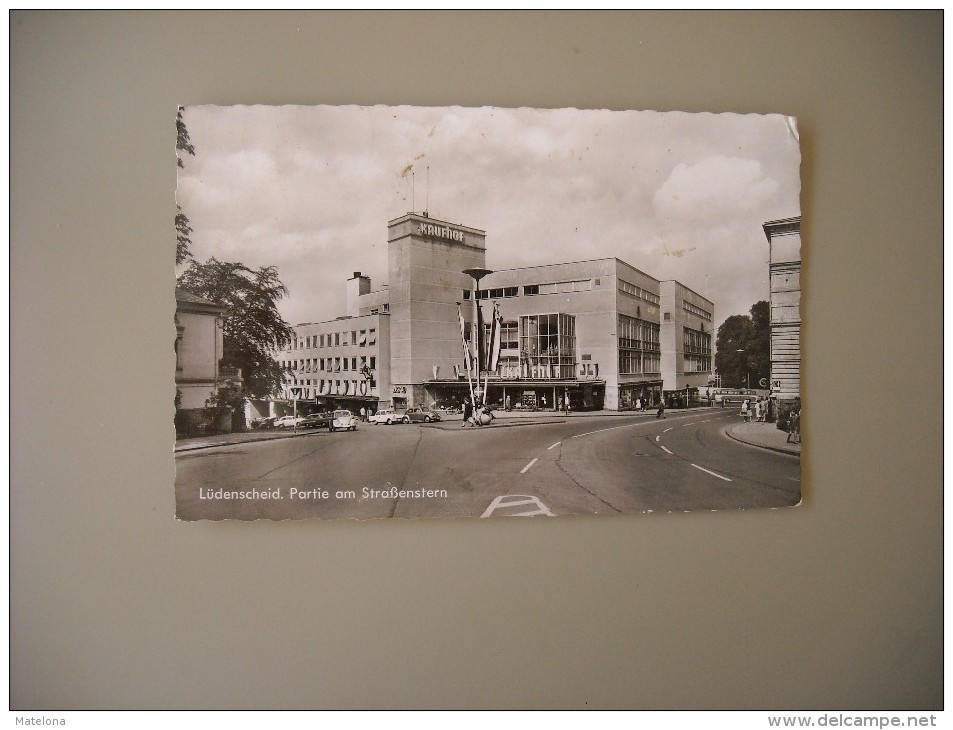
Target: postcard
x=483, y=312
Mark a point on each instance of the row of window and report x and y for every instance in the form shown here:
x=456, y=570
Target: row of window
x=638, y=292
x=329, y=364
x=639, y=348
x=695, y=342
x=697, y=311
x=361, y=338
x=530, y=290
x=697, y=364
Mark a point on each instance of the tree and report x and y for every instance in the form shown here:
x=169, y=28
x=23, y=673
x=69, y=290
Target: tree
x=183, y=233
x=742, y=348
x=252, y=327
x=183, y=229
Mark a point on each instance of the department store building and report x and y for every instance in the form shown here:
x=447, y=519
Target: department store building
x=601, y=330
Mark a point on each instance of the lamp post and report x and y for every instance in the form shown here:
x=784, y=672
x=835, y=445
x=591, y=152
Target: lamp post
x=476, y=275
x=747, y=372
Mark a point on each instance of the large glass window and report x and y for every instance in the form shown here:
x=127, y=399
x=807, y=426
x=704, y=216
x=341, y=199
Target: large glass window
x=638, y=342
x=548, y=346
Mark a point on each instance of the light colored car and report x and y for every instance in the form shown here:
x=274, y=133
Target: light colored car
x=343, y=421
x=288, y=421
x=422, y=414
x=388, y=416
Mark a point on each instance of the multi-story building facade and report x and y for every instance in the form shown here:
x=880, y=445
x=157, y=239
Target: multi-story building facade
x=686, y=337
x=589, y=329
x=198, y=350
x=784, y=242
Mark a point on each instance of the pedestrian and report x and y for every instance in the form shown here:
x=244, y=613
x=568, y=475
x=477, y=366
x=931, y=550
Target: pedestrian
x=363, y=414
x=544, y=402
x=660, y=413
x=757, y=410
x=467, y=412
x=508, y=405
x=638, y=404
x=794, y=427
x=567, y=403
x=745, y=411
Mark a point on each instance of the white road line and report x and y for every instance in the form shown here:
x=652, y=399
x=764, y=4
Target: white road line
x=688, y=424
x=528, y=466
x=554, y=445
x=701, y=468
x=658, y=437
x=668, y=429
x=665, y=450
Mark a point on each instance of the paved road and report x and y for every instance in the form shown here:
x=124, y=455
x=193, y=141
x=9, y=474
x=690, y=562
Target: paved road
x=587, y=465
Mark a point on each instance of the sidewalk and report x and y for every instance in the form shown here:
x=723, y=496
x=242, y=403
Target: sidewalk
x=502, y=419
x=763, y=435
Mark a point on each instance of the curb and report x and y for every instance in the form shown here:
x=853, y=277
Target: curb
x=206, y=445
x=778, y=449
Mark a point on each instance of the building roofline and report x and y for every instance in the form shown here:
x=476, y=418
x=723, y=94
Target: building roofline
x=573, y=263
x=784, y=225
x=684, y=286
x=424, y=216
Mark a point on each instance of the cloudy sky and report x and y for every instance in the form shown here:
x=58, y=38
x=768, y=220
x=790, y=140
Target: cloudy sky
x=310, y=190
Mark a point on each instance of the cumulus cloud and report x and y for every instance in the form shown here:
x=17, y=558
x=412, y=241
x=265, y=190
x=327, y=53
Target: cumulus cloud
x=713, y=189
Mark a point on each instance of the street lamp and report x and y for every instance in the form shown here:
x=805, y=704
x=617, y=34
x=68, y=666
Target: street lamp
x=747, y=386
x=476, y=275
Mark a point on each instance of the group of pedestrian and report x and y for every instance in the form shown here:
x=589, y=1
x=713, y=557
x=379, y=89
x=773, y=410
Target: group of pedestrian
x=760, y=409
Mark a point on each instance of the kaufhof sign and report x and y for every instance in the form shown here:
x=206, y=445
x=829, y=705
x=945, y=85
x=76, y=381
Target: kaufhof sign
x=435, y=231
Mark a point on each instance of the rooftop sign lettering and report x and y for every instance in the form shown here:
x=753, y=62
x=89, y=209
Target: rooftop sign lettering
x=429, y=229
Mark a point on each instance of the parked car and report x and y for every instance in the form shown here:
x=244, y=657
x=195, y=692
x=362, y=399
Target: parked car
x=388, y=416
x=264, y=424
x=316, y=420
x=343, y=421
x=422, y=414
x=288, y=421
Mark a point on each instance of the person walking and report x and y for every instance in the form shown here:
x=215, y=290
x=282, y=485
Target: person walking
x=544, y=402
x=467, y=412
x=745, y=411
x=363, y=414
x=568, y=410
x=660, y=413
x=757, y=410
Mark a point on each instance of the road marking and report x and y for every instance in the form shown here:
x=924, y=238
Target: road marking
x=668, y=429
x=658, y=437
x=554, y=445
x=688, y=424
x=711, y=472
x=665, y=450
x=528, y=466
x=517, y=500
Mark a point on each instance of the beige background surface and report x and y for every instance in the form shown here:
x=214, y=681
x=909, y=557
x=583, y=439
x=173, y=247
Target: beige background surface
x=835, y=604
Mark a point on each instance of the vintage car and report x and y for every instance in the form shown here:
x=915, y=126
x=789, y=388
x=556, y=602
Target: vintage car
x=388, y=416
x=288, y=421
x=422, y=414
x=316, y=420
x=343, y=421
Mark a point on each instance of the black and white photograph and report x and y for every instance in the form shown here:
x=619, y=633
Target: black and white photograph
x=485, y=312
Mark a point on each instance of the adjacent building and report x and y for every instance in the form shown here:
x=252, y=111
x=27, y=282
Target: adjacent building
x=198, y=350
x=784, y=243
x=600, y=331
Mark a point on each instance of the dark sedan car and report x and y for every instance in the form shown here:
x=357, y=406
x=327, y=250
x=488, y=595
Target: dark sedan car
x=316, y=420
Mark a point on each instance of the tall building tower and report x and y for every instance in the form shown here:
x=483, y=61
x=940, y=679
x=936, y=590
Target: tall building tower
x=426, y=260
